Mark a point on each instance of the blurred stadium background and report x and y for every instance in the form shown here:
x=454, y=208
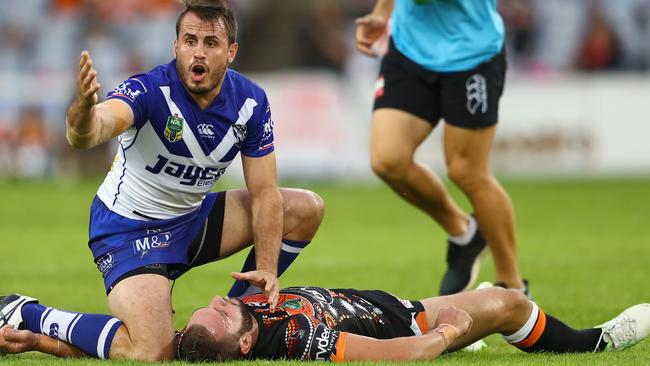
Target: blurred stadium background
x=575, y=101
x=572, y=149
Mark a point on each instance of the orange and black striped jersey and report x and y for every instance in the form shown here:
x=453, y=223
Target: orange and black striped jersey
x=311, y=323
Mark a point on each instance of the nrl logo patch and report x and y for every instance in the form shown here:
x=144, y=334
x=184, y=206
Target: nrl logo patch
x=174, y=128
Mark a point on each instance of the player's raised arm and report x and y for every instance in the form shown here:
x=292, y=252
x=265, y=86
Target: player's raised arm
x=266, y=205
x=87, y=123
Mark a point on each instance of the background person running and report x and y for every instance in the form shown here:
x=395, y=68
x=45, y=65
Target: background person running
x=445, y=60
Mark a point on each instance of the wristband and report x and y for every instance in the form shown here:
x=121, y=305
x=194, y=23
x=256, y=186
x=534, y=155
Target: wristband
x=448, y=332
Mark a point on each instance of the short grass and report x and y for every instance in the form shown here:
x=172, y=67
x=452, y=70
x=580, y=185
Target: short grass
x=584, y=246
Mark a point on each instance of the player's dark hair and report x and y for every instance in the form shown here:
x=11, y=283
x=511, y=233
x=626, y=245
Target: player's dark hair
x=211, y=11
x=198, y=345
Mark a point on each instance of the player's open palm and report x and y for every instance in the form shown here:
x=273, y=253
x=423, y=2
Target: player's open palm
x=17, y=341
x=370, y=29
x=87, y=84
x=459, y=318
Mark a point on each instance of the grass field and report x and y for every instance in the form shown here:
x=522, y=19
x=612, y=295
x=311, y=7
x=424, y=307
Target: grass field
x=584, y=246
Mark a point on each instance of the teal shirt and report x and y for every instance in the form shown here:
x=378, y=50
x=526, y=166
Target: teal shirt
x=447, y=35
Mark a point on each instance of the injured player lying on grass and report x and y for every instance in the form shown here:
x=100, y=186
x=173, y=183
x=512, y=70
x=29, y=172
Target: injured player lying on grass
x=313, y=323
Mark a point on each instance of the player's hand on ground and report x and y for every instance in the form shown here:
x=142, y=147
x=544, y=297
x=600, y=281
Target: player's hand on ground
x=370, y=28
x=17, y=341
x=265, y=280
x=459, y=318
x=87, y=84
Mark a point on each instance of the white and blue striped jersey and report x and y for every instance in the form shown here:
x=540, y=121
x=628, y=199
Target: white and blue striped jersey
x=175, y=152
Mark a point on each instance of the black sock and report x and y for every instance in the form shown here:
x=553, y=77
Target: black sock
x=544, y=333
x=560, y=338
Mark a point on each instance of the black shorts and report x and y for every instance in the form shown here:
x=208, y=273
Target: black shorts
x=468, y=99
x=407, y=317
x=205, y=247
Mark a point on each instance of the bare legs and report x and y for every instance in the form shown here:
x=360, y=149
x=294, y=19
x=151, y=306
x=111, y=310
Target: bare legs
x=394, y=138
x=467, y=152
x=493, y=310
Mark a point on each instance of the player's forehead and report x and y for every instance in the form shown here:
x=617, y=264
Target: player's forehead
x=192, y=24
x=214, y=322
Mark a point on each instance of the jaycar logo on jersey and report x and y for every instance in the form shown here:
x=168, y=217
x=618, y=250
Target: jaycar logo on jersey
x=189, y=175
x=476, y=94
x=174, y=128
x=126, y=90
x=206, y=130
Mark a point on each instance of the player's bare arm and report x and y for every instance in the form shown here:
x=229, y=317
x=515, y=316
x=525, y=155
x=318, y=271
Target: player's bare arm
x=372, y=26
x=87, y=123
x=19, y=341
x=424, y=347
x=451, y=323
x=267, y=216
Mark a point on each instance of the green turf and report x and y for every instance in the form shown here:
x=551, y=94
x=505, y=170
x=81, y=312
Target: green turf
x=584, y=245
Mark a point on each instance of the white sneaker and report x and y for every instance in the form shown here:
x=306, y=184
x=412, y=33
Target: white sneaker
x=10, y=307
x=483, y=285
x=475, y=347
x=480, y=344
x=627, y=329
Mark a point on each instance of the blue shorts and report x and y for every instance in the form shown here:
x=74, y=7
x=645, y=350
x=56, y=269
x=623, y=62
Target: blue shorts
x=121, y=245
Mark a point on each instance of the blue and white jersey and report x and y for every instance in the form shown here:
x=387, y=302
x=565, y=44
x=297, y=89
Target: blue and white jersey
x=447, y=35
x=176, y=151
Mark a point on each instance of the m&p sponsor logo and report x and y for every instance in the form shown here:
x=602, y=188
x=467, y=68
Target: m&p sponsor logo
x=153, y=241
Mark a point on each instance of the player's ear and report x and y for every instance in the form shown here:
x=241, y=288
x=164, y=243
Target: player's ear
x=246, y=343
x=175, y=44
x=232, y=52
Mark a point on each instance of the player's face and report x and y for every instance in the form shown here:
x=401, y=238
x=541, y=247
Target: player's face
x=221, y=317
x=202, y=54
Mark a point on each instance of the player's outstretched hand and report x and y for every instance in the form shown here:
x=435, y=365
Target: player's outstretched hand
x=87, y=84
x=17, y=341
x=459, y=318
x=265, y=280
x=370, y=28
